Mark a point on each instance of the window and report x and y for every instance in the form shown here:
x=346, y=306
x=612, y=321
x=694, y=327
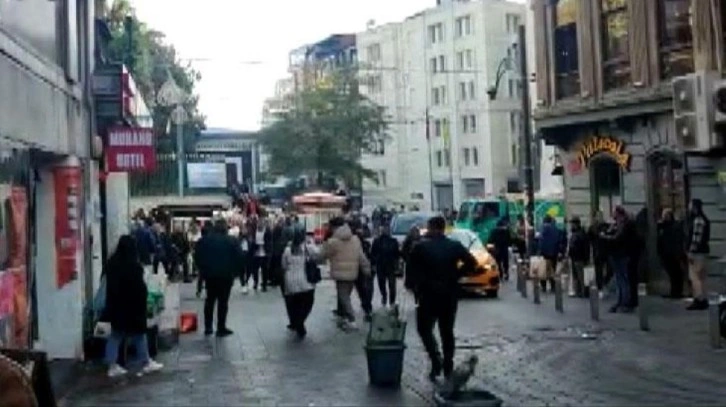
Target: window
x=435, y=96
x=565, y=49
x=460, y=60
x=475, y=156
x=374, y=53
x=442, y=93
x=437, y=128
x=467, y=158
x=442, y=63
x=469, y=58
x=462, y=90
x=675, y=38
x=513, y=122
x=515, y=154
x=510, y=83
x=616, y=58
x=439, y=159
x=382, y=181
x=374, y=84
x=472, y=123
x=447, y=157
x=464, y=124
x=436, y=33
x=472, y=90
x=433, y=65
x=512, y=23
x=463, y=26
x=445, y=130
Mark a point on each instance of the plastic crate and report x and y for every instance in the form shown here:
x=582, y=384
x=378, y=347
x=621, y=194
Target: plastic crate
x=385, y=364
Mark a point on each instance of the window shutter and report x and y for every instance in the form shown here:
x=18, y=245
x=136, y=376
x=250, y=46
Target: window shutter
x=638, y=42
x=542, y=65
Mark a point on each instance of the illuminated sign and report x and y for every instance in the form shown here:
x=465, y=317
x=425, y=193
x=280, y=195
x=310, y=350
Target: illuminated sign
x=596, y=145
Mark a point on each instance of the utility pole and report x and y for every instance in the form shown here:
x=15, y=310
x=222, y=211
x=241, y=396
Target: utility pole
x=527, y=139
x=431, y=168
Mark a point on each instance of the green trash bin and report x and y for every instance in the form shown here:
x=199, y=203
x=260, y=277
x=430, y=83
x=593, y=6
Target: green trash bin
x=385, y=363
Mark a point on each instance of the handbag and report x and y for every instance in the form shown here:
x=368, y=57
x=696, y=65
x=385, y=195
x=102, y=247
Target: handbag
x=312, y=271
x=102, y=330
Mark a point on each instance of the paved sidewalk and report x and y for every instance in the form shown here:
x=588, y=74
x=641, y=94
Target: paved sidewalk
x=529, y=355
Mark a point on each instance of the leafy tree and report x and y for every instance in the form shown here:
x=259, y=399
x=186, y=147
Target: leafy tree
x=326, y=132
x=150, y=63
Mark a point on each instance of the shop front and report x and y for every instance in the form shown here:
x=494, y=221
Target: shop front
x=637, y=164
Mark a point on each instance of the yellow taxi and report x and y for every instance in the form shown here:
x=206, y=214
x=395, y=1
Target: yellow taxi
x=487, y=279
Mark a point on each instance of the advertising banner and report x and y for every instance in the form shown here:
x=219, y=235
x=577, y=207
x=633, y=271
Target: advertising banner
x=207, y=175
x=68, y=197
x=130, y=149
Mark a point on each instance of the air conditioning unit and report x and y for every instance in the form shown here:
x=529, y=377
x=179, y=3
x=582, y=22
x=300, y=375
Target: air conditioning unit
x=719, y=107
x=693, y=111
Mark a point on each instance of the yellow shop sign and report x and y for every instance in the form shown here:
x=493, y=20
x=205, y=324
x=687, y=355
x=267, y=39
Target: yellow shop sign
x=604, y=145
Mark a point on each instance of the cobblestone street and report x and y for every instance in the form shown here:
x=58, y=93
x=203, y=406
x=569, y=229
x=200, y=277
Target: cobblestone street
x=529, y=355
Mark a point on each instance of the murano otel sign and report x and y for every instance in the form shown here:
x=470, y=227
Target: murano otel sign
x=596, y=145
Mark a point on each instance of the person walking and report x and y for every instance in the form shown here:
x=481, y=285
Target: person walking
x=437, y=264
x=298, y=291
x=146, y=242
x=501, y=239
x=345, y=253
x=671, y=252
x=183, y=248
x=125, y=307
x=699, y=236
x=364, y=283
x=412, y=239
x=260, y=246
x=219, y=257
x=385, y=255
x=281, y=233
x=579, y=252
x=619, y=238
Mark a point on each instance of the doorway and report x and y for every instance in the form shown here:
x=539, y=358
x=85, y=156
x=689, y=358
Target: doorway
x=668, y=175
x=606, y=185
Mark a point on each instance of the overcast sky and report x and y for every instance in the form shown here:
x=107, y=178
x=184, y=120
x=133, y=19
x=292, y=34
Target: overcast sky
x=232, y=33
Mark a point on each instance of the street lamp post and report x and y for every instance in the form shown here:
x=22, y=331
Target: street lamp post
x=526, y=129
x=171, y=95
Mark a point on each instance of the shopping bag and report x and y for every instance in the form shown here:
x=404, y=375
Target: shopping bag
x=537, y=268
x=102, y=330
x=589, y=276
x=188, y=322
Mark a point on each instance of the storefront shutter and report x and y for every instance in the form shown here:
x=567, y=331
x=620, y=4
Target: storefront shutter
x=542, y=44
x=586, y=48
x=638, y=42
x=704, y=39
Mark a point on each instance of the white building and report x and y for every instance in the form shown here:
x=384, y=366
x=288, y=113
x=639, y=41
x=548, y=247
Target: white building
x=441, y=62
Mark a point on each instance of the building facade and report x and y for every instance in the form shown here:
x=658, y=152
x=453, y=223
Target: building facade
x=605, y=100
x=47, y=176
x=432, y=72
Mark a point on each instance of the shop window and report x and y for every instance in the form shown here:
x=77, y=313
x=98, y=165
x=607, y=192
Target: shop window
x=565, y=49
x=606, y=184
x=616, y=55
x=671, y=192
x=676, y=38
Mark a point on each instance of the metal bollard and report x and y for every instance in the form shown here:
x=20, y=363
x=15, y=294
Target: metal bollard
x=536, y=292
x=594, y=302
x=559, y=306
x=643, y=307
x=714, y=323
x=520, y=275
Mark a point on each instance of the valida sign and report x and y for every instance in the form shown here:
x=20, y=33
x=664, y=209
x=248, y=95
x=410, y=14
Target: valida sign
x=604, y=145
x=130, y=149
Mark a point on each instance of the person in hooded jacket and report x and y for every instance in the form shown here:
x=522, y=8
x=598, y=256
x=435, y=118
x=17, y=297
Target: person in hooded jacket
x=345, y=253
x=501, y=239
x=550, y=246
x=125, y=308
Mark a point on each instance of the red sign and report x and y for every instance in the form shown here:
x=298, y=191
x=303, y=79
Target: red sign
x=68, y=197
x=130, y=149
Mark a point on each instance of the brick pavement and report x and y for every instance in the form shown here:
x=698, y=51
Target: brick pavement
x=529, y=355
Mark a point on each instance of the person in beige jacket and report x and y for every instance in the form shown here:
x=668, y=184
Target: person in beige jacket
x=345, y=253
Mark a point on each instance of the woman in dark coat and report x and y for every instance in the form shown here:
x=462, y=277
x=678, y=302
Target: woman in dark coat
x=126, y=307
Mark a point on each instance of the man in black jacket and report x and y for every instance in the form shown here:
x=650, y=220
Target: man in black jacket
x=219, y=257
x=579, y=252
x=385, y=254
x=437, y=265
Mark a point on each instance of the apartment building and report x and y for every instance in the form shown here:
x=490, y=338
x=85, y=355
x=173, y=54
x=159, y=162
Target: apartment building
x=447, y=141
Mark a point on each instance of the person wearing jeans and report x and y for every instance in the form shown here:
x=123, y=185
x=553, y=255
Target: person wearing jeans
x=125, y=307
x=620, y=238
x=345, y=253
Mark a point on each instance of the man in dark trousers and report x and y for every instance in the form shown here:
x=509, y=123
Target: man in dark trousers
x=438, y=263
x=219, y=257
x=385, y=254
